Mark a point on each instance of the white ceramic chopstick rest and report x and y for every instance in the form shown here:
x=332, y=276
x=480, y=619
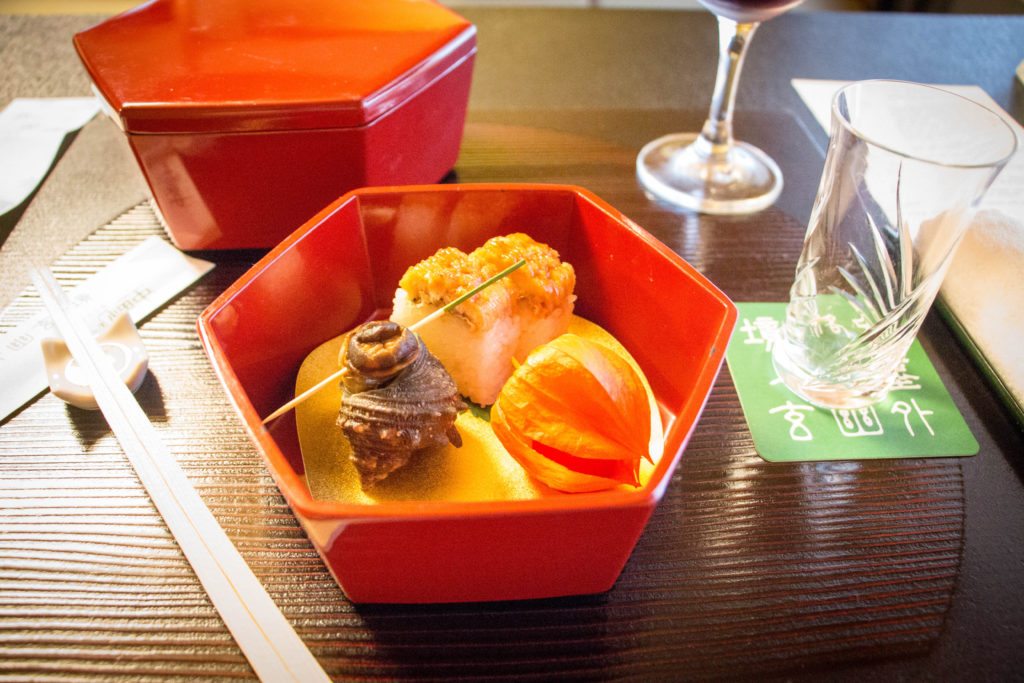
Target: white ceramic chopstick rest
x=123, y=348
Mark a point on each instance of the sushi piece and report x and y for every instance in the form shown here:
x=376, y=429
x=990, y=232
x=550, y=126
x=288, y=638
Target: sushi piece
x=474, y=341
x=541, y=291
x=479, y=338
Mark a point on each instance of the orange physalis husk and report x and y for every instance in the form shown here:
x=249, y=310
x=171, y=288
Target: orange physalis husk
x=576, y=416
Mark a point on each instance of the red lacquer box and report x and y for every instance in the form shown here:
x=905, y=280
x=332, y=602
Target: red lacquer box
x=249, y=116
x=342, y=267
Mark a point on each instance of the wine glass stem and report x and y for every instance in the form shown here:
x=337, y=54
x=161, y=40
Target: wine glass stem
x=733, y=39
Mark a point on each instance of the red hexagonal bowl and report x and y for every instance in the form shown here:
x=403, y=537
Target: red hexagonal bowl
x=342, y=267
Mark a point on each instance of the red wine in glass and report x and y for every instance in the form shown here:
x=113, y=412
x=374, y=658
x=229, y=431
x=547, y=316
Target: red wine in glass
x=747, y=11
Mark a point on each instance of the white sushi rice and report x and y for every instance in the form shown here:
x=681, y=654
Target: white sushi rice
x=535, y=330
x=479, y=360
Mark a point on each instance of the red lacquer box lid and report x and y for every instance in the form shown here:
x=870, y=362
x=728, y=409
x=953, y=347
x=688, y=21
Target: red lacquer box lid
x=239, y=65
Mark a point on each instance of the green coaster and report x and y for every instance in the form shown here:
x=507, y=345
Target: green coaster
x=917, y=420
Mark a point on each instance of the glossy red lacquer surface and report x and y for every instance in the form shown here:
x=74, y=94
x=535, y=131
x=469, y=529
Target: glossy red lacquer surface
x=247, y=118
x=236, y=65
x=342, y=268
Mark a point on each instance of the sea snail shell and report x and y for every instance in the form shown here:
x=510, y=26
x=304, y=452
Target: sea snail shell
x=397, y=398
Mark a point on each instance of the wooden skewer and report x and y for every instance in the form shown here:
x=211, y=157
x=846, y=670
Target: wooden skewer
x=412, y=328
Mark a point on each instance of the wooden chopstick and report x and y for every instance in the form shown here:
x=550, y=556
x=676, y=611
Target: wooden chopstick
x=268, y=641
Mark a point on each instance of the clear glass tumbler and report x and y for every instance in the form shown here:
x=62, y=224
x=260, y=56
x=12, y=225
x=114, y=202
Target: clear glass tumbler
x=906, y=165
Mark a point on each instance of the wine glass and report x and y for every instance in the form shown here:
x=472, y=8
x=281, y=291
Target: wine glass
x=709, y=171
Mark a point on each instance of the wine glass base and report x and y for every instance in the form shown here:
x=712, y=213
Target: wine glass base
x=676, y=169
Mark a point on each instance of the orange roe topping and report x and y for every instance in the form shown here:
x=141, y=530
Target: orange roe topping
x=444, y=276
x=542, y=285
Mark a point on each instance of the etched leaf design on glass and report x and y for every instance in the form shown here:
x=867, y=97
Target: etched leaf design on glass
x=882, y=294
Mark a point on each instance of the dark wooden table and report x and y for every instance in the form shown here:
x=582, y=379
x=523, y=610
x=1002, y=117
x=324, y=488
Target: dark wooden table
x=909, y=569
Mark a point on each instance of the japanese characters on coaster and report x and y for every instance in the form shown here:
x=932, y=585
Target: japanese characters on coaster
x=918, y=419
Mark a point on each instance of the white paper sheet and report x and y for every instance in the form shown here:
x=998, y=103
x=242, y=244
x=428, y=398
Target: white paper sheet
x=139, y=282
x=984, y=287
x=31, y=132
